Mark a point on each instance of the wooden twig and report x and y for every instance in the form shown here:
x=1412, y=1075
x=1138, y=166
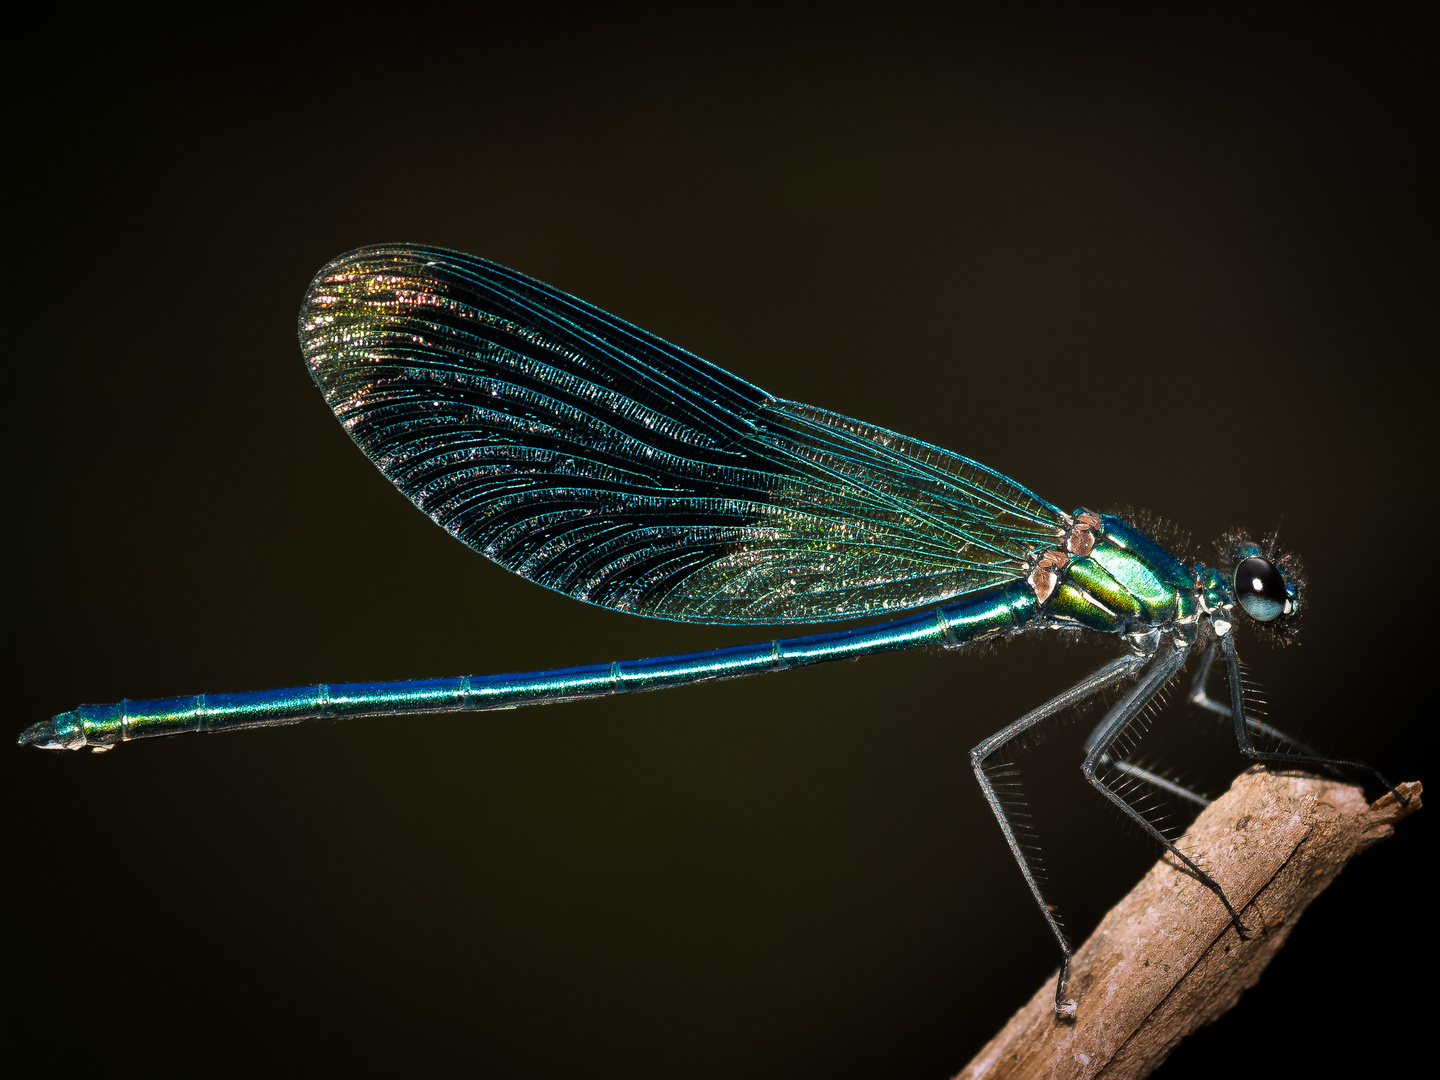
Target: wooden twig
x=1165, y=960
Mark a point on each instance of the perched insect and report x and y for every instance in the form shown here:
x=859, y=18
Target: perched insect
x=589, y=456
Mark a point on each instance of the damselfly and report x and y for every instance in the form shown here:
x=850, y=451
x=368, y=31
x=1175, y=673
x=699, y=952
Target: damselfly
x=587, y=455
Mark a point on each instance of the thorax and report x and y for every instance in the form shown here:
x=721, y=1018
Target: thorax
x=1107, y=575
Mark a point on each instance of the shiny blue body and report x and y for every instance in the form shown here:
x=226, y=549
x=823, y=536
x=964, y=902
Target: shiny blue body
x=990, y=613
x=595, y=459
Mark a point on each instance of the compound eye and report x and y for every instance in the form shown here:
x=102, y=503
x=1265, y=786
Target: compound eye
x=1260, y=588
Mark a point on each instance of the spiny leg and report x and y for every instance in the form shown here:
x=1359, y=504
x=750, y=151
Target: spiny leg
x=1242, y=731
x=1155, y=780
x=1201, y=697
x=1142, y=774
x=1112, y=673
x=1198, y=693
x=1109, y=731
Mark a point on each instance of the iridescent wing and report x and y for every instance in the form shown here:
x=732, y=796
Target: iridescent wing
x=594, y=458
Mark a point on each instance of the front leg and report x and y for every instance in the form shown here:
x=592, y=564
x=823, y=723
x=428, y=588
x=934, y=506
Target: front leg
x=1200, y=697
x=1243, y=727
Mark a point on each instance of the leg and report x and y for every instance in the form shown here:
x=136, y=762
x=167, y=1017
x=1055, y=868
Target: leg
x=1112, y=673
x=1109, y=731
x=1199, y=696
x=1145, y=775
x=1197, y=685
x=1155, y=780
x=1242, y=730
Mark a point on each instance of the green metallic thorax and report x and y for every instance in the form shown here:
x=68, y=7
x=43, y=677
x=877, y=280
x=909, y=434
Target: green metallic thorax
x=1127, y=582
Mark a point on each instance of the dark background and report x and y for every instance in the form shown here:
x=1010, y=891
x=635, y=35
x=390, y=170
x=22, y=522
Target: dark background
x=1185, y=268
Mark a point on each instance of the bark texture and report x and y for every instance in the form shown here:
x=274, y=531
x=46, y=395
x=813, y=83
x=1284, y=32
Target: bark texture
x=1165, y=960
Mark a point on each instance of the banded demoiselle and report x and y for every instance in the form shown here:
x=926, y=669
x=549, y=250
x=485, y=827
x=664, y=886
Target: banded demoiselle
x=593, y=458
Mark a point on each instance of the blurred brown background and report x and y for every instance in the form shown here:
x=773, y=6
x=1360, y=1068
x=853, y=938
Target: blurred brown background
x=1188, y=268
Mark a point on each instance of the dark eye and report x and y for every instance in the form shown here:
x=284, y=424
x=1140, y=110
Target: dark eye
x=1260, y=588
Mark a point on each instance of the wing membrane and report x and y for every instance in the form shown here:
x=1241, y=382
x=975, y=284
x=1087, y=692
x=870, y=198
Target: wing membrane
x=587, y=455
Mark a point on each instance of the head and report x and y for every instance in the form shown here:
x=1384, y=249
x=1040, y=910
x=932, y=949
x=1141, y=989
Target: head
x=1265, y=586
